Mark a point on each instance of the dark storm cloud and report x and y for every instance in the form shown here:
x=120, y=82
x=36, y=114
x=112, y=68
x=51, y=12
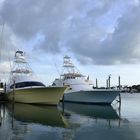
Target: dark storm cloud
x=80, y=26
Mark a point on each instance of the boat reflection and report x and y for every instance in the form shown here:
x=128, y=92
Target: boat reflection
x=0, y=116
x=94, y=111
x=45, y=115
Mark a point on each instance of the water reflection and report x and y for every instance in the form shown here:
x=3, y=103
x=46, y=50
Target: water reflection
x=74, y=122
x=21, y=121
x=95, y=111
x=2, y=113
x=80, y=115
x=54, y=116
x=45, y=115
x=0, y=116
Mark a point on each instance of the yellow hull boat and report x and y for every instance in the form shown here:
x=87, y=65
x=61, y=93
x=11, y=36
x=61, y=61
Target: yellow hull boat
x=39, y=95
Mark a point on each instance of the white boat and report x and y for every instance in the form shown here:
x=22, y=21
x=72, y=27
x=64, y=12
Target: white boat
x=24, y=87
x=81, y=88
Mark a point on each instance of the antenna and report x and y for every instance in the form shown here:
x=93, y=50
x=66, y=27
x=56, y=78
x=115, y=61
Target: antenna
x=56, y=68
x=1, y=42
x=1, y=46
x=54, y=63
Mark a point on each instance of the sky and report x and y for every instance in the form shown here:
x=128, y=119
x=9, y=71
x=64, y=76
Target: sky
x=102, y=37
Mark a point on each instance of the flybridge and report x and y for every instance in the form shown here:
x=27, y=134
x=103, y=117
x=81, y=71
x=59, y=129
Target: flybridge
x=20, y=57
x=20, y=65
x=70, y=71
x=67, y=62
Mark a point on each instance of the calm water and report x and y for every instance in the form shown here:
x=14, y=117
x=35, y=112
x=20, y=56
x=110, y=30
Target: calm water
x=75, y=122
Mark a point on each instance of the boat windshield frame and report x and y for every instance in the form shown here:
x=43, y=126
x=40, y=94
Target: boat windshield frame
x=27, y=84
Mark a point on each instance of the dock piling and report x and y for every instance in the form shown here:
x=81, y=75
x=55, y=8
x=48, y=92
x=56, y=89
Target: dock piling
x=13, y=91
x=63, y=103
x=96, y=83
x=109, y=77
x=119, y=80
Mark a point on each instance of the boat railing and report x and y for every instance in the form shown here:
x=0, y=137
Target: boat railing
x=26, y=71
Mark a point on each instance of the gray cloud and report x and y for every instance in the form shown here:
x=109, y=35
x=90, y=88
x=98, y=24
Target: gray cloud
x=120, y=46
x=80, y=26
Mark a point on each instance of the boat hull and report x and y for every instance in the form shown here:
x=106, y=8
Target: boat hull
x=42, y=95
x=92, y=97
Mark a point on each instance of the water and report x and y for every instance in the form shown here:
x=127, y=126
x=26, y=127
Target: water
x=75, y=122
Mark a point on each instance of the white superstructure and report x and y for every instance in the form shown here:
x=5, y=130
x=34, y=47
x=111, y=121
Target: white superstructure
x=73, y=78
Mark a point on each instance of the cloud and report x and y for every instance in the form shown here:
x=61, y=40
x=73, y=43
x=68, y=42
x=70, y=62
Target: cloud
x=120, y=46
x=96, y=32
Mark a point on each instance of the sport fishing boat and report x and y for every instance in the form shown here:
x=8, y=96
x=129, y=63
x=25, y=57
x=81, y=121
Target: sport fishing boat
x=24, y=87
x=81, y=88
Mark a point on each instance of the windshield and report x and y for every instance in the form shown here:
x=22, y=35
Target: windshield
x=27, y=84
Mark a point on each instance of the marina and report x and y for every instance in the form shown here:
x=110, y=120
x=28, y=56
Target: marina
x=72, y=108
x=23, y=86
x=71, y=102
x=67, y=109
x=69, y=70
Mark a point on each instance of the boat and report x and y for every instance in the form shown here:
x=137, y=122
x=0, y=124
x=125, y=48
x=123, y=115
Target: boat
x=81, y=87
x=24, y=87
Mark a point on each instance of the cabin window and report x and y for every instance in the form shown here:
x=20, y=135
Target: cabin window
x=1, y=85
x=27, y=84
x=53, y=84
